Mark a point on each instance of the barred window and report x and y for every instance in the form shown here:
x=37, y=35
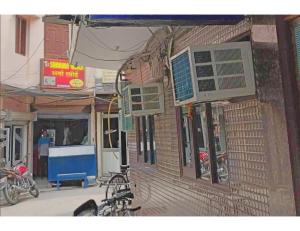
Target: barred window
x=146, y=139
x=203, y=143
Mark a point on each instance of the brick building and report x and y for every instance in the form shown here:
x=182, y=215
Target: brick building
x=261, y=166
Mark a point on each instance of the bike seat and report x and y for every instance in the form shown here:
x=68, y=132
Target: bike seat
x=124, y=167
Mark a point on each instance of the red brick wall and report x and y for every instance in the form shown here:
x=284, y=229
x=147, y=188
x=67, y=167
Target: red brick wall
x=254, y=140
x=56, y=41
x=16, y=103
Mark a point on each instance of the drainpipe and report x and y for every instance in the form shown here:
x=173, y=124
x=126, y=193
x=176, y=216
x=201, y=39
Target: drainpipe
x=93, y=119
x=291, y=100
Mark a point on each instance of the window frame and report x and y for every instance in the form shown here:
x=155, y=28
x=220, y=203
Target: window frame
x=187, y=171
x=246, y=36
x=21, y=27
x=143, y=134
x=194, y=171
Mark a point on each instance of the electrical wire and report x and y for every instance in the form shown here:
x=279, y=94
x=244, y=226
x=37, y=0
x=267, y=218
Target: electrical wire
x=62, y=100
x=27, y=61
x=135, y=47
x=11, y=97
x=105, y=100
x=76, y=41
x=8, y=72
x=100, y=59
x=65, y=99
x=15, y=91
x=118, y=74
x=62, y=92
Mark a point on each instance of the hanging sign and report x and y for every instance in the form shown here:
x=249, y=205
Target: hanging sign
x=57, y=73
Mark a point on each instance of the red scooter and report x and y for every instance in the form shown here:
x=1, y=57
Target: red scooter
x=18, y=180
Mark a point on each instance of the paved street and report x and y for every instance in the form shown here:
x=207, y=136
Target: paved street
x=52, y=202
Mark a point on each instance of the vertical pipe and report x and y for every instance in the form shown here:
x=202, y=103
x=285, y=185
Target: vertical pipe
x=99, y=145
x=93, y=122
x=30, y=146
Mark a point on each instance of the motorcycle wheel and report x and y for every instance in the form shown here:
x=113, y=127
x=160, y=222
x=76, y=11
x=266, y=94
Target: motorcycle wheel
x=11, y=194
x=34, y=192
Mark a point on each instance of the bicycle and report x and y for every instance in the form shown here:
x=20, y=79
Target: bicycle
x=119, y=181
x=109, y=206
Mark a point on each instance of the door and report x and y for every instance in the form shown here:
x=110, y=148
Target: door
x=19, y=147
x=5, y=145
x=111, y=155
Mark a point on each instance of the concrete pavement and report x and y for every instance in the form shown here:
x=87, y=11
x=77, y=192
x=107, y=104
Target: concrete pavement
x=52, y=202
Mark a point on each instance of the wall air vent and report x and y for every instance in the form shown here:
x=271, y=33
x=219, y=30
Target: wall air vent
x=143, y=100
x=211, y=73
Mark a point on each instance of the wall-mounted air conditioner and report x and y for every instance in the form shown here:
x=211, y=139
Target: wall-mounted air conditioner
x=143, y=100
x=211, y=73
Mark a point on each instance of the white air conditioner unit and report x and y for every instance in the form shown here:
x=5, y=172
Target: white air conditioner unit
x=143, y=100
x=211, y=73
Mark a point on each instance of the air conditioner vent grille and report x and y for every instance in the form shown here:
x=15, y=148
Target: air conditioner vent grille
x=202, y=57
x=150, y=106
x=228, y=54
x=232, y=82
x=206, y=85
x=204, y=71
x=230, y=68
x=150, y=90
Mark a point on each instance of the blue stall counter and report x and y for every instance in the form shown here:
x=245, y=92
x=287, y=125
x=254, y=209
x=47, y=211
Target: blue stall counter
x=69, y=162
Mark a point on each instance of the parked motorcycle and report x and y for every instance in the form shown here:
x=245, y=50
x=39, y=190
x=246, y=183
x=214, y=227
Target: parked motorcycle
x=16, y=181
x=222, y=168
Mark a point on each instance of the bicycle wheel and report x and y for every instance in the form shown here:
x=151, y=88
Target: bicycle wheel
x=115, y=183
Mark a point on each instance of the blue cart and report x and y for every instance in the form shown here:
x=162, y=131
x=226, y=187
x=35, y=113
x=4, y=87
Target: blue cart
x=77, y=162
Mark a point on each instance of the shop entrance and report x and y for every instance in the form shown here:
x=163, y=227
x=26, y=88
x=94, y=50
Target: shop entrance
x=60, y=132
